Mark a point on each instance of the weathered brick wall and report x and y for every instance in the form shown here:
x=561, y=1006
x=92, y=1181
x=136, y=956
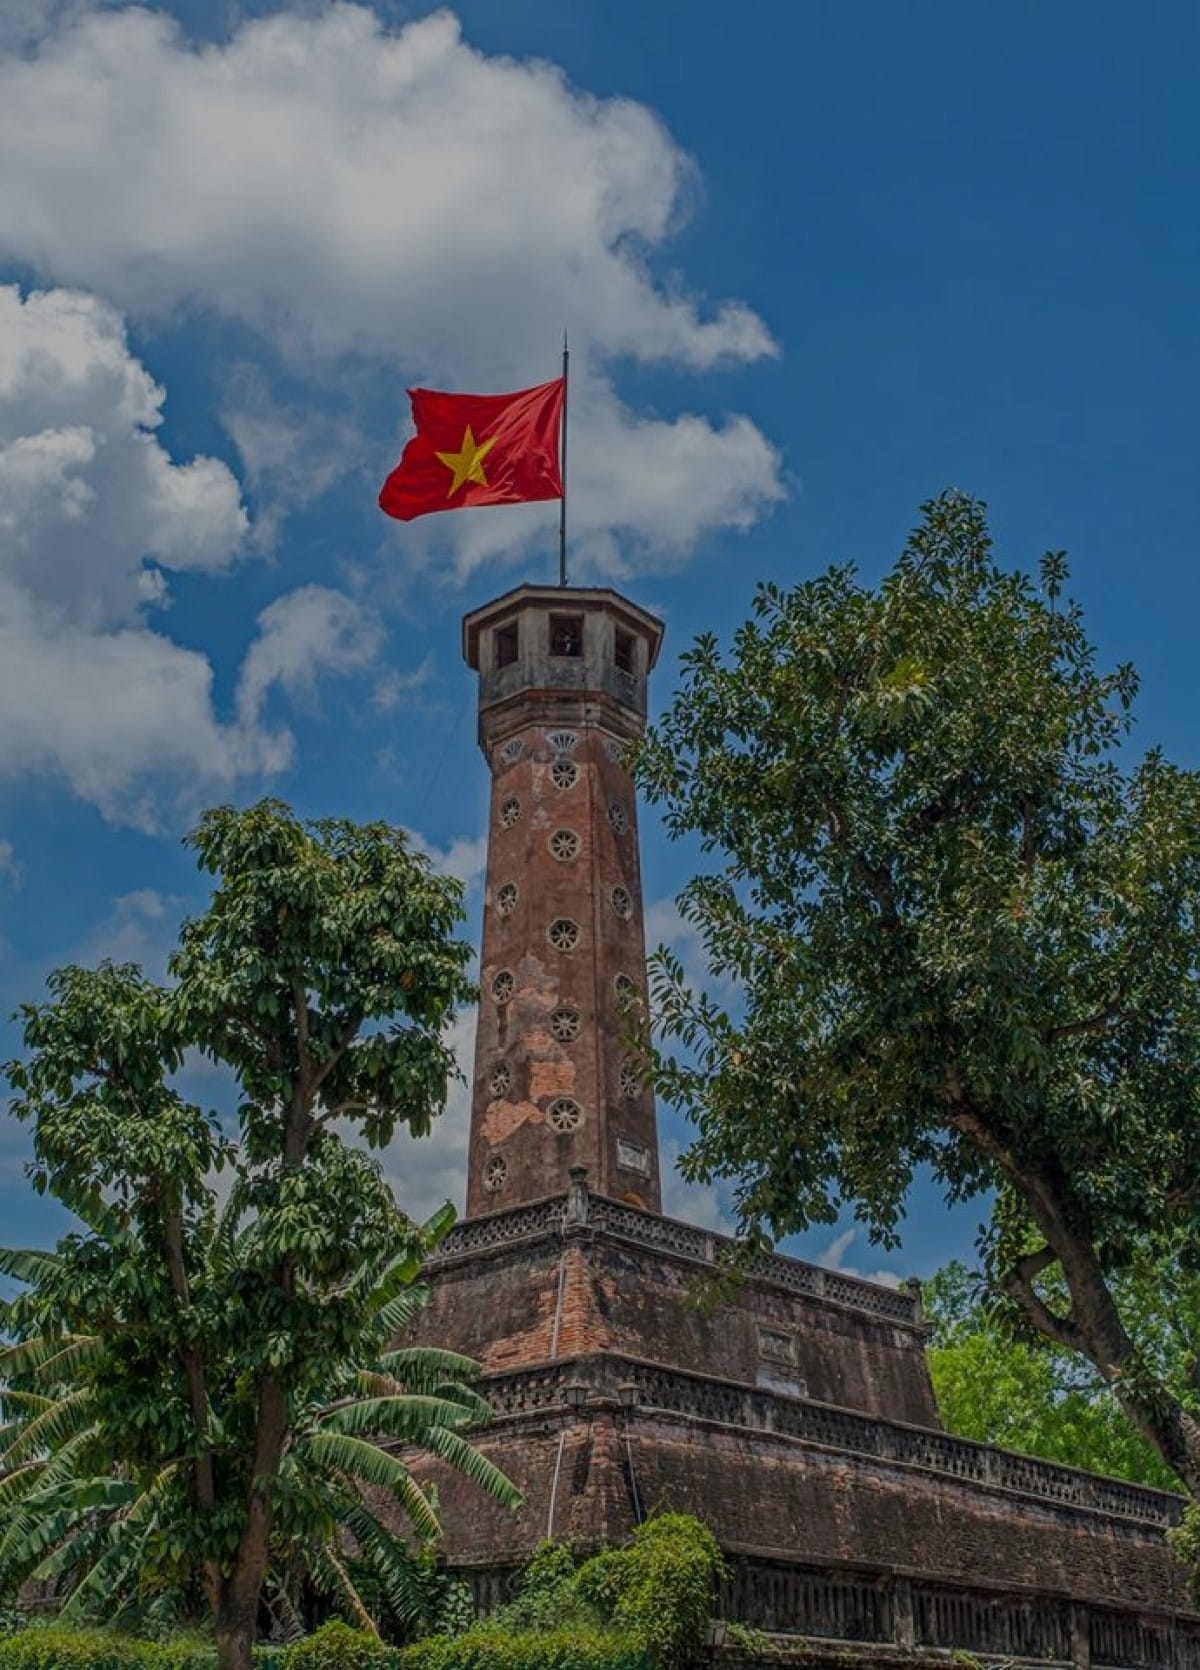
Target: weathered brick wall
x=606, y=1293
x=771, y=1499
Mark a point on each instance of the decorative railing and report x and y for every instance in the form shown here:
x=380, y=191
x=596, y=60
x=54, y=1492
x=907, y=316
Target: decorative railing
x=699, y=1397
x=579, y=1208
x=895, y=1611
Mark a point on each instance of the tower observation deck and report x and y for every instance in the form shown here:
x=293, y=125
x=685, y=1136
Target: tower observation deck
x=562, y=694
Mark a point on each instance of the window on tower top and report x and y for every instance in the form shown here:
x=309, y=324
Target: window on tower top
x=566, y=635
x=505, y=640
x=624, y=651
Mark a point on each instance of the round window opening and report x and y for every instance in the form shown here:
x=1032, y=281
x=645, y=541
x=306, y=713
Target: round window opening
x=563, y=774
x=631, y=1081
x=564, y=1115
x=506, y=898
x=618, y=817
x=503, y=986
x=510, y=812
x=500, y=1082
x=495, y=1174
x=564, y=845
x=625, y=989
x=563, y=934
x=564, y=1025
x=622, y=903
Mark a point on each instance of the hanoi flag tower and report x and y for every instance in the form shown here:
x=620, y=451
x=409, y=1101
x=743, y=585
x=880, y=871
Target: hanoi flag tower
x=796, y=1416
x=562, y=693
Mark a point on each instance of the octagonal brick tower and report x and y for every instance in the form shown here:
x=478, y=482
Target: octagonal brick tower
x=562, y=692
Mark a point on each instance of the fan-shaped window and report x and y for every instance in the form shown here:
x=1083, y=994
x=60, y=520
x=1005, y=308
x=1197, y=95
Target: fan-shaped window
x=563, y=1115
x=512, y=750
x=562, y=742
x=564, y=845
x=564, y=1024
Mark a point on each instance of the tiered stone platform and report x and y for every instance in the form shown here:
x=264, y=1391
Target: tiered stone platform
x=795, y=1417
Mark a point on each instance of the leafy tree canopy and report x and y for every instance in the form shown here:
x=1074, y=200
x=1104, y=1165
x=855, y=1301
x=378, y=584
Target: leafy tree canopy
x=964, y=927
x=1025, y=1393
x=169, y=1359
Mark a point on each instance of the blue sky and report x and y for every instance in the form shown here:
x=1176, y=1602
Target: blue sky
x=818, y=261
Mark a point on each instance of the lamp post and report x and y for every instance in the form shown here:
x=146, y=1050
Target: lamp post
x=629, y=1394
x=574, y=1395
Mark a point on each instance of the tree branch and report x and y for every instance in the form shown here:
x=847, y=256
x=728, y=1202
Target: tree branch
x=1099, y=1022
x=1018, y=1284
x=349, y=1032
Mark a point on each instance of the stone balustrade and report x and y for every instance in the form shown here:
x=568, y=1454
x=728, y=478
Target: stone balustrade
x=699, y=1397
x=581, y=1210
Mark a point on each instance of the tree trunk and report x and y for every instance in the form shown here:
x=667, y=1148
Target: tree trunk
x=1093, y=1326
x=237, y=1618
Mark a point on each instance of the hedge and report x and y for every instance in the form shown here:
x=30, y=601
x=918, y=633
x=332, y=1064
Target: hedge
x=482, y=1648
x=46, y=1647
x=334, y=1647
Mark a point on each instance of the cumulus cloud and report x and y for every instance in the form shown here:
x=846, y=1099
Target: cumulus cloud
x=425, y=1171
x=833, y=1257
x=93, y=513
x=88, y=495
x=303, y=179
x=465, y=859
x=303, y=633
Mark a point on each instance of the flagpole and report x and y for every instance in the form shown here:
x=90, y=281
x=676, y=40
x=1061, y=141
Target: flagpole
x=562, y=511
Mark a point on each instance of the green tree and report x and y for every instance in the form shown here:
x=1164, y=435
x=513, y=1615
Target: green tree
x=965, y=932
x=117, y=1538
x=323, y=973
x=1026, y=1393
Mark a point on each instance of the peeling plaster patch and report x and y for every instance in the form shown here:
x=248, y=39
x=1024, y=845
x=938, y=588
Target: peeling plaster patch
x=503, y=1118
x=551, y=1078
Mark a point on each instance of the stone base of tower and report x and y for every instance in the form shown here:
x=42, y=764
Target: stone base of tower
x=795, y=1418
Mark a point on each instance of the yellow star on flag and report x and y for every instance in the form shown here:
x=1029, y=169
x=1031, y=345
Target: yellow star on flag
x=467, y=463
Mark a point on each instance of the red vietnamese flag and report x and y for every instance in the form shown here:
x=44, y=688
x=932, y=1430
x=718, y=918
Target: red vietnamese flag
x=477, y=449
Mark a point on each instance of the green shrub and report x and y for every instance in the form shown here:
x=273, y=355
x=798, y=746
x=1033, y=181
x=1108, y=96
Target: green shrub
x=48, y=1647
x=335, y=1646
x=659, y=1588
x=487, y=1647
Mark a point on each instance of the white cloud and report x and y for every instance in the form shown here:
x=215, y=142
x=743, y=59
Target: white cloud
x=87, y=494
x=695, y=1203
x=92, y=511
x=139, y=927
x=425, y=1171
x=10, y=866
x=834, y=1258
x=391, y=197
x=305, y=632
x=464, y=859
x=291, y=453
